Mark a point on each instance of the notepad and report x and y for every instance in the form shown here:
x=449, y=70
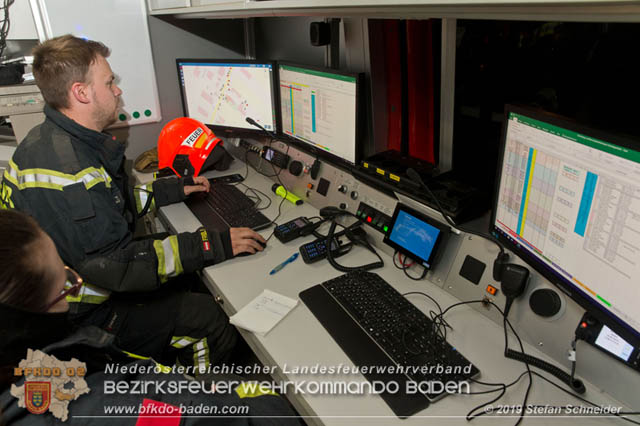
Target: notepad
x=263, y=312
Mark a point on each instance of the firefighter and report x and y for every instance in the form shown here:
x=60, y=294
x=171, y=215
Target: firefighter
x=68, y=173
x=33, y=282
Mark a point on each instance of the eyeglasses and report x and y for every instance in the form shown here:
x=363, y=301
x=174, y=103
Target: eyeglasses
x=75, y=282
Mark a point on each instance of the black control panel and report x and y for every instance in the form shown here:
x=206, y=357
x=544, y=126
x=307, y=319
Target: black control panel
x=373, y=217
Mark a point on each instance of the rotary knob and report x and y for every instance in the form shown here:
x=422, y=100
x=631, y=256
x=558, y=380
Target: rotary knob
x=295, y=168
x=343, y=189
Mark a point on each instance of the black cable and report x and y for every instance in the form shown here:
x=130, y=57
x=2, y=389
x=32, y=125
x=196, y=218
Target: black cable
x=506, y=322
x=147, y=204
x=255, y=193
x=286, y=191
x=472, y=413
x=420, y=278
x=403, y=264
x=573, y=394
x=5, y=26
x=276, y=174
x=414, y=176
x=364, y=242
x=494, y=384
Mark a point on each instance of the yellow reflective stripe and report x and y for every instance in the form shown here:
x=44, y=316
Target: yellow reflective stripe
x=180, y=342
x=141, y=194
x=253, y=390
x=52, y=179
x=163, y=368
x=201, y=355
x=168, y=254
x=157, y=245
x=89, y=294
x=175, y=247
x=5, y=196
x=94, y=300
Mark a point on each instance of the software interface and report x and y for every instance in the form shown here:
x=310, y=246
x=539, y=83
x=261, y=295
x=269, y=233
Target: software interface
x=225, y=94
x=415, y=235
x=573, y=202
x=319, y=108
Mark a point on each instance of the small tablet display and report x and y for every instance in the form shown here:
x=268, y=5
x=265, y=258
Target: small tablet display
x=415, y=235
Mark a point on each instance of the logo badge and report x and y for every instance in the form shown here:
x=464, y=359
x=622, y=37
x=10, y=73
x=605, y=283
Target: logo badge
x=38, y=396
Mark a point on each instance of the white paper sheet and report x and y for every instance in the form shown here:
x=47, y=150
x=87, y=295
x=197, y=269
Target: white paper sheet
x=263, y=312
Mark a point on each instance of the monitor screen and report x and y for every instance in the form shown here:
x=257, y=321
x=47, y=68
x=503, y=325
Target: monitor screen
x=568, y=203
x=415, y=235
x=223, y=93
x=319, y=109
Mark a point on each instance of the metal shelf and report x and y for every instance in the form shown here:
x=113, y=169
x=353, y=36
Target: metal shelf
x=562, y=10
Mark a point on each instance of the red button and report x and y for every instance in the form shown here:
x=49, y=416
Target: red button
x=369, y=219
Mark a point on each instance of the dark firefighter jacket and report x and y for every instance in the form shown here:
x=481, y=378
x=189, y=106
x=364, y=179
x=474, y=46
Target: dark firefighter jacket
x=106, y=366
x=72, y=181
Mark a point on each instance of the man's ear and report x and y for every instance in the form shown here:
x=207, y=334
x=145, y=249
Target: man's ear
x=80, y=92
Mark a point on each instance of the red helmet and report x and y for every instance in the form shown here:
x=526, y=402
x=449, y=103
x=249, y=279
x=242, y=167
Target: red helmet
x=184, y=146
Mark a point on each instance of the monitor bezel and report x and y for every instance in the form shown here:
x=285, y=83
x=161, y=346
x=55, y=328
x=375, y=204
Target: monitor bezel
x=618, y=325
x=306, y=146
x=231, y=131
x=428, y=264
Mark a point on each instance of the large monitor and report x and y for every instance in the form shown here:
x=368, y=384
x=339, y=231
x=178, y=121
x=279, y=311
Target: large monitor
x=568, y=203
x=223, y=93
x=319, y=108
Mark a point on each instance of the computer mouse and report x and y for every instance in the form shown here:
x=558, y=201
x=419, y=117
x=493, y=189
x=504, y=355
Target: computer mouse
x=246, y=253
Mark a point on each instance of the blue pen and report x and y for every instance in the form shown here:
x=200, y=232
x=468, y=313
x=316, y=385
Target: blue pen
x=283, y=264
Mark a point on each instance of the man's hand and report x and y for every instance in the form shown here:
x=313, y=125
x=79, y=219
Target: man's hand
x=201, y=184
x=245, y=240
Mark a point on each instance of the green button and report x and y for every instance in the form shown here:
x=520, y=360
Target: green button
x=122, y=117
x=136, y=114
x=386, y=228
x=359, y=213
x=147, y=113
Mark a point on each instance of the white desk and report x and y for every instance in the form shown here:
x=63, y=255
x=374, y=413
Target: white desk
x=299, y=340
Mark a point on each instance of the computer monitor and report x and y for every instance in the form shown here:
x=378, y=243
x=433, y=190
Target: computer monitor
x=568, y=203
x=319, y=109
x=223, y=93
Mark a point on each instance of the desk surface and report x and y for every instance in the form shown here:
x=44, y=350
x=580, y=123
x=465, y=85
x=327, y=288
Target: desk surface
x=300, y=341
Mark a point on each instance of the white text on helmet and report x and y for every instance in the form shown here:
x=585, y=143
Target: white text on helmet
x=193, y=137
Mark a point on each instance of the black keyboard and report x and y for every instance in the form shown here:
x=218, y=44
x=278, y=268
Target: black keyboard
x=379, y=329
x=225, y=206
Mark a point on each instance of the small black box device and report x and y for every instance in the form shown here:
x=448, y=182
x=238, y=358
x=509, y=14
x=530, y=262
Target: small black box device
x=290, y=230
x=275, y=157
x=317, y=250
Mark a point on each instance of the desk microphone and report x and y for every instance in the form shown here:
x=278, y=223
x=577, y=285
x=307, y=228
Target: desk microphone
x=255, y=124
